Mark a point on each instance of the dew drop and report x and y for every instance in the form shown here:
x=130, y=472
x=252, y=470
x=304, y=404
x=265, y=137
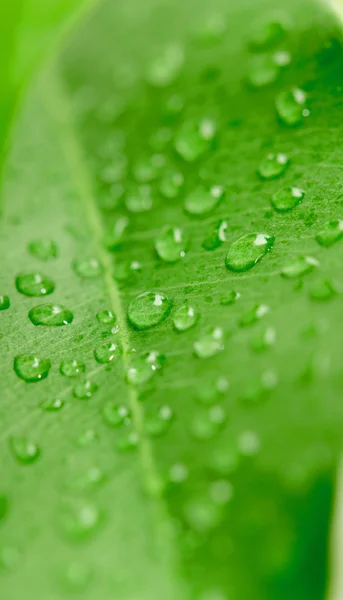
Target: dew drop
x=185, y=317
x=224, y=460
x=4, y=302
x=230, y=298
x=115, y=236
x=171, y=244
x=171, y=184
x=210, y=344
x=221, y=491
x=211, y=391
x=52, y=405
x=106, y=353
x=79, y=520
x=143, y=367
x=84, y=389
x=263, y=71
x=263, y=340
x=291, y=106
x=203, y=201
x=87, y=437
x=115, y=415
x=87, y=268
x=273, y=165
x=159, y=423
x=217, y=237
x=322, y=291
x=145, y=171
x=24, y=450
x=43, y=249
x=178, y=473
x=148, y=310
x=202, y=515
x=72, y=368
x=107, y=317
x=50, y=315
x=299, y=267
x=34, y=284
x=31, y=368
x=194, y=139
x=164, y=69
x=247, y=251
x=139, y=199
x=127, y=441
x=331, y=233
x=253, y=315
x=287, y=199
x=249, y=443
x=267, y=35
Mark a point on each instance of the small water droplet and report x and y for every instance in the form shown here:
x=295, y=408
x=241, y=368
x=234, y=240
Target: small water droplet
x=247, y=251
x=77, y=576
x=43, y=249
x=202, y=515
x=145, y=171
x=282, y=58
x=116, y=414
x=171, y=184
x=50, y=315
x=264, y=339
x=139, y=199
x=107, y=317
x=211, y=391
x=322, y=291
x=253, y=315
x=217, y=237
x=106, y=353
x=79, y=520
x=290, y=106
x=115, y=236
x=34, y=284
x=171, y=244
x=72, y=368
x=24, y=450
x=267, y=35
x=157, y=424
x=331, y=233
x=148, y=310
x=165, y=68
x=224, y=460
x=31, y=368
x=287, y=199
x=4, y=504
x=178, y=473
x=263, y=71
x=203, y=201
x=87, y=437
x=194, y=139
x=212, y=30
x=210, y=344
x=249, y=443
x=127, y=441
x=4, y=302
x=273, y=165
x=185, y=317
x=87, y=268
x=299, y=267
x=52, y=405
x=84, y=389
x=221, y=491
x=230, y=298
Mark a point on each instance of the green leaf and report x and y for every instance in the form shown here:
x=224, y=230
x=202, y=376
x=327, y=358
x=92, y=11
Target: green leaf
x=147, y=458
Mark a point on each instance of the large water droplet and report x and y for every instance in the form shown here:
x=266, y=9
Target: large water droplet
x=291, y=106
x=330, y=234
x=217, y=237
x=85, y=389
x=203, y=201
x=31, y=368
x=4, y=302
x=43, y=249
x=171, y=244
x=299, y=267
x=148, y=310
x=195, y=139
x=106, y=353
x=72, y=368
x=79, y=520
x=116, y=414
x=87, y=268
x=34, y=284
x=51, y=315
x=24, y=450
x=245, y=252
x=210, y=344
x=185, y=317
x=273, y=165
x=166, y=67
x=287, y=199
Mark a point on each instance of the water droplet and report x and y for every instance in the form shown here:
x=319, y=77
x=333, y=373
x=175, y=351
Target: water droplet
x=202, y=201
x=24, y=450
x=247, y=251
x=194, y=139
x=230, y=298
x=171, y=244
x=159, y=423
x=87, y=437
x=139, y=199
x=178, y=473
x=34, y=284
x=253, y=315
x=77, y=576
x=79, y=520
x=116, y=414
x=52, y=405
x=221, y=491
x=282, y=58
x=267, y=35
x=322, y=291
x=264, y=340
x=202, y=515
x=291, y=106
x=185, y=317
x=107, y=352
x=287, y=199
x=224, y=460
x=4, y=302
x=331, y=233
x=145, y=171
x=263, y=71
x=106, y=317
x=171, y=184
x=50, y=315
x=143, y=367
x=127, y=441
x=249, y=443
x=87, y=268
x=85, y=481
x=209, y=392
x=217, y=237
x=115, y=236
x=72, y=368
x=210, y=344
x=299, y=267
x=212, y=30
x=43, y=249
x=31, y=368
x=148, y=310
x=164, y=69
x=273, y=165
x=84, y=389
